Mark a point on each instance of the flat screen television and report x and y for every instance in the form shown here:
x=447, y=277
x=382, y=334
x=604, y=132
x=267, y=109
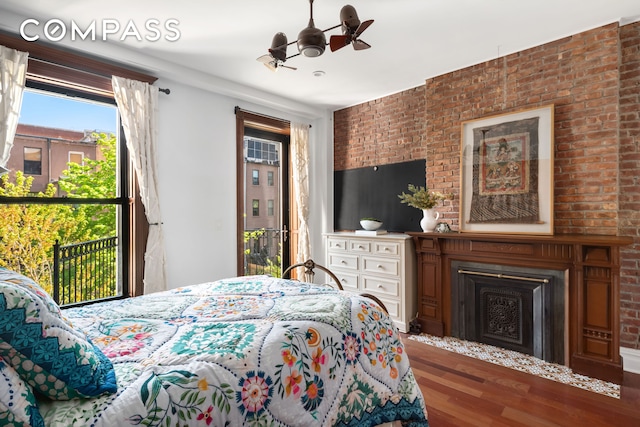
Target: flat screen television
x=373, y=192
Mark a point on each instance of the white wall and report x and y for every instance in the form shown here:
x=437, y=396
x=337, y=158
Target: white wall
x=197, y=158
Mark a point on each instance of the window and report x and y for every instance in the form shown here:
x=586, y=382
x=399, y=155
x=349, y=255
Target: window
x=255, y=206
x=261, y=151
x=270, y=210
x=32, y=161
x=80, y=174
x=255, y=177
x=86, y=82
x=270, y=178
x=76, y=157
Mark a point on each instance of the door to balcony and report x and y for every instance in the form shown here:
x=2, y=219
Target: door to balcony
x=264, y=232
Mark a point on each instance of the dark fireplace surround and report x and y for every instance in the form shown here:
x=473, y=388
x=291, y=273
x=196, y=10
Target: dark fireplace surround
x=580, y=329
x=519, y=309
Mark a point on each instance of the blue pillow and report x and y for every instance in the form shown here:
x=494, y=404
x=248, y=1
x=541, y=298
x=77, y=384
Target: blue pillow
x=18, y=405
x=55, y=359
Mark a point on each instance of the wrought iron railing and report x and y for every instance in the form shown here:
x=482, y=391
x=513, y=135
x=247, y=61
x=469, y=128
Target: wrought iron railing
x=262, y=252
x=85, y=271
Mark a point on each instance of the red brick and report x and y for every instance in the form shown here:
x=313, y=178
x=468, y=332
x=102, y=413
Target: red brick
x=592, y=78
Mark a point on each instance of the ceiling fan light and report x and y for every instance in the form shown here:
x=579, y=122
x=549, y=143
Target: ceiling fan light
x=312, y=51
x=311, y=41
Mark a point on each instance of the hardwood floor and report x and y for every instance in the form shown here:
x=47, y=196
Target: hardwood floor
x=462, y=391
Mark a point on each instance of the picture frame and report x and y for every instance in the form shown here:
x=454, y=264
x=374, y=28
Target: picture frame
x=506, y=173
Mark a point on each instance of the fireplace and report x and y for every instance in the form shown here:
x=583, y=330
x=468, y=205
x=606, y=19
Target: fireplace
x=582, y=310
x=519, y=309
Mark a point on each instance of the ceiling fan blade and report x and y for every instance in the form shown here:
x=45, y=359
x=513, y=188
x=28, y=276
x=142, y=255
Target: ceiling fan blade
x=271, y=65
x=265, y=58
x=363, y=26
x=338, y=42
x=360, y=45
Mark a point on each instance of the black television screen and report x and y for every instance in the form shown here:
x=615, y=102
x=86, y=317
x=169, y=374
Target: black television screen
x=373, y=192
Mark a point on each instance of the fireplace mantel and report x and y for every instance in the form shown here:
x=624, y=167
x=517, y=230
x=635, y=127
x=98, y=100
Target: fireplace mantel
x=592, y=266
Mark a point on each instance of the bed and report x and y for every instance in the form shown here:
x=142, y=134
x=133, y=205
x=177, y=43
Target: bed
x=255, y=350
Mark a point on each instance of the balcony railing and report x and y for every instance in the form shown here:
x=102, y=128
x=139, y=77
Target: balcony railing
x=88, y=271
x=262, y=252
x=85, y=271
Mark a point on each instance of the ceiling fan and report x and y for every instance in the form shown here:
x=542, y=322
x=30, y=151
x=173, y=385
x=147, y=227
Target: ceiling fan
x=311, y=41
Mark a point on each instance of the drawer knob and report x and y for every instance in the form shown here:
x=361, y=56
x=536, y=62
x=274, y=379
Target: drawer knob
x=360, y=247
x=343, y=262
x=379, y=266
x=380, y=286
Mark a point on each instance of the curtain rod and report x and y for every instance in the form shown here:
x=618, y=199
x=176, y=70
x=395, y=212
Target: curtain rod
x=237, y=108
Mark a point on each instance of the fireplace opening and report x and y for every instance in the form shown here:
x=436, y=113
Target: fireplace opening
x=521, y=309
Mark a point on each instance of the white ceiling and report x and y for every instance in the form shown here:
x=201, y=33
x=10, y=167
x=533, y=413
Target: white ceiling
x=411, y=39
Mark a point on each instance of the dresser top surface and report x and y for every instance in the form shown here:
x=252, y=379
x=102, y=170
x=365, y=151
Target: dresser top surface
x=353, y=234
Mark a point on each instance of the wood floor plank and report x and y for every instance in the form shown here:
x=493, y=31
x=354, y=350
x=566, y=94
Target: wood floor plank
x=462, y=391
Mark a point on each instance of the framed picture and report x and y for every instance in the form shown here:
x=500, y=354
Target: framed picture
x=506, y=173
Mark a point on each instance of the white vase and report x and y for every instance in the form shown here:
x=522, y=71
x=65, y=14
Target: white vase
x=429, y=220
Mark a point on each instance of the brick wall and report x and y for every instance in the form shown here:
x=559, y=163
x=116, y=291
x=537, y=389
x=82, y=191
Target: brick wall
x=592, y=78
x=629, y=165
x=385, y=131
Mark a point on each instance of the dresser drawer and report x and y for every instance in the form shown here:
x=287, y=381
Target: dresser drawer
x=359, y=246
x=389, y=267
x=343, y=261
x=348, y=281
x=378, y=286
x=381, y=265
x=386, y=248
x=337, y=245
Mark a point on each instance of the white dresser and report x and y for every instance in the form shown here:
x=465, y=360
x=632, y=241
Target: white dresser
x=382, y=265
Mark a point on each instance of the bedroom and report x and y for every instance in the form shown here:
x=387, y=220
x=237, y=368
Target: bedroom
x=210, y=108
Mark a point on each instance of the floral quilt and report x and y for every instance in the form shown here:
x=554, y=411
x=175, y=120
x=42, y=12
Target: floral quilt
x=256, y=351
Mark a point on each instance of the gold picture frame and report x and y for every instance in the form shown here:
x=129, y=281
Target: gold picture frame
x=506, y=173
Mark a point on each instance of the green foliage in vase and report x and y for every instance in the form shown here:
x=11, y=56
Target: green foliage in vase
x=421, y=198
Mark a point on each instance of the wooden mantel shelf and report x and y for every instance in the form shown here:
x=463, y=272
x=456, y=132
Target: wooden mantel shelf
x=592, y=266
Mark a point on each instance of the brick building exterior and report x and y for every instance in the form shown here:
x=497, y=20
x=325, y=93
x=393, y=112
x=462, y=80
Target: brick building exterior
x=43, y=152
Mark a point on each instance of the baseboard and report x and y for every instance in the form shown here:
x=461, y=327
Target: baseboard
x=630, y=359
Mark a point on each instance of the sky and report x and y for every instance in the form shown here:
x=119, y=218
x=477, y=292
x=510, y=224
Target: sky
x=64, y=112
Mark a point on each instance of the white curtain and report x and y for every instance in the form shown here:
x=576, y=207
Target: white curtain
x=13, y=75
x=300, y=163
x=137, y=104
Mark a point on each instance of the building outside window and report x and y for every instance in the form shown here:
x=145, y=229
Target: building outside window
x=76, y=157
x=255, y=206
x=255, y=177
x=270, y=207
x=32, y=161
x=270, y=178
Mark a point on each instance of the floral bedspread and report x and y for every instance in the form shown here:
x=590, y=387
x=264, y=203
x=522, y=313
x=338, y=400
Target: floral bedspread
x=251, y=350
